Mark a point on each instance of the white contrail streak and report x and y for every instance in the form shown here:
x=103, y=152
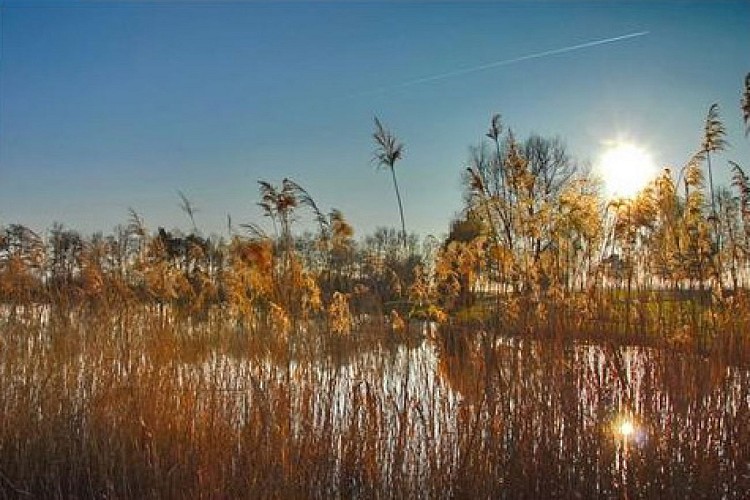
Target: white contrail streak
x=505, y=62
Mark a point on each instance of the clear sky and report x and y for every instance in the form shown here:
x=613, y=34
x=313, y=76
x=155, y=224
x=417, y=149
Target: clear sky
x=114, y=104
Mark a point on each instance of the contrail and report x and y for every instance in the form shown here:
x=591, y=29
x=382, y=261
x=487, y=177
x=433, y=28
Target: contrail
x=504, y=62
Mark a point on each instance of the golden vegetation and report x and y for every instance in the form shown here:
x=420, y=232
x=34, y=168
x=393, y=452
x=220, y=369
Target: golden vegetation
x=494, y=363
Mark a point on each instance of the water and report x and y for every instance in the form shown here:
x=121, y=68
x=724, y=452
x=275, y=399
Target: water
x=516, y=415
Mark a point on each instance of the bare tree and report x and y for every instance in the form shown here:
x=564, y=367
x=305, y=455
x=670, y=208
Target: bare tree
x=549, y=163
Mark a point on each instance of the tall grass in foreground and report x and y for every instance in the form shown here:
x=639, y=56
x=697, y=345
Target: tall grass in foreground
x=125, y=407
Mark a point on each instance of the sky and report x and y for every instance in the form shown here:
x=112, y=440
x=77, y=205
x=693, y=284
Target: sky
x=108, y=105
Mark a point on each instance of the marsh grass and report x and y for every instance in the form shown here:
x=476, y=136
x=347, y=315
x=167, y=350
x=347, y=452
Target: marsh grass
x=552, y=346
x=129, y=408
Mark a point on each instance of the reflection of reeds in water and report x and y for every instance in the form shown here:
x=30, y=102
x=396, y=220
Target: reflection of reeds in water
x=123, y=407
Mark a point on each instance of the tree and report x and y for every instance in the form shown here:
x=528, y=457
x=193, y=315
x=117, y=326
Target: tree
x=389, y=150
x=520, y=192
x=22, y=256
x=66, y=247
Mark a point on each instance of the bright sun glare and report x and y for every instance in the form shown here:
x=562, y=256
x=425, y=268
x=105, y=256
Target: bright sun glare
x=626, y=428
x=626, y=169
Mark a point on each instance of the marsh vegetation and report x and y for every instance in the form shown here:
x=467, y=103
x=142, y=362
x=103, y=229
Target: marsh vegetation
x=554, y=344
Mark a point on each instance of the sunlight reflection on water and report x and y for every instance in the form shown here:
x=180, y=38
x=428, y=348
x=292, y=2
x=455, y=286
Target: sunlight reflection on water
x=430, y=402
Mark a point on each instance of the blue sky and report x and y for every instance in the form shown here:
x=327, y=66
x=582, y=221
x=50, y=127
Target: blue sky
x=110, y=105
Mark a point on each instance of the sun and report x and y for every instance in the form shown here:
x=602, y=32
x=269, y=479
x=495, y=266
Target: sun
x=626, y=169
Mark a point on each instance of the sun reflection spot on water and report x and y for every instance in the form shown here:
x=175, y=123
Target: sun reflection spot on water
x=626, y=428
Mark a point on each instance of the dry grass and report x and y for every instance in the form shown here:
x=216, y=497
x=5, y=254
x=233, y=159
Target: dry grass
x=503, y=362
x=121, y=407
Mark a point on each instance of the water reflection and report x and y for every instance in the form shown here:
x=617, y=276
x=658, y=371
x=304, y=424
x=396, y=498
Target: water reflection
x=541, y=417
x=626, y=429
x=560, y=402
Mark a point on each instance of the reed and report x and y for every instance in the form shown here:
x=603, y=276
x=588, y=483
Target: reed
x=98, y=407
x=553, y=345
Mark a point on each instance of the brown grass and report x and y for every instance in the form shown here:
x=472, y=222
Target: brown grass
x=122, y=407
x=499, y=363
